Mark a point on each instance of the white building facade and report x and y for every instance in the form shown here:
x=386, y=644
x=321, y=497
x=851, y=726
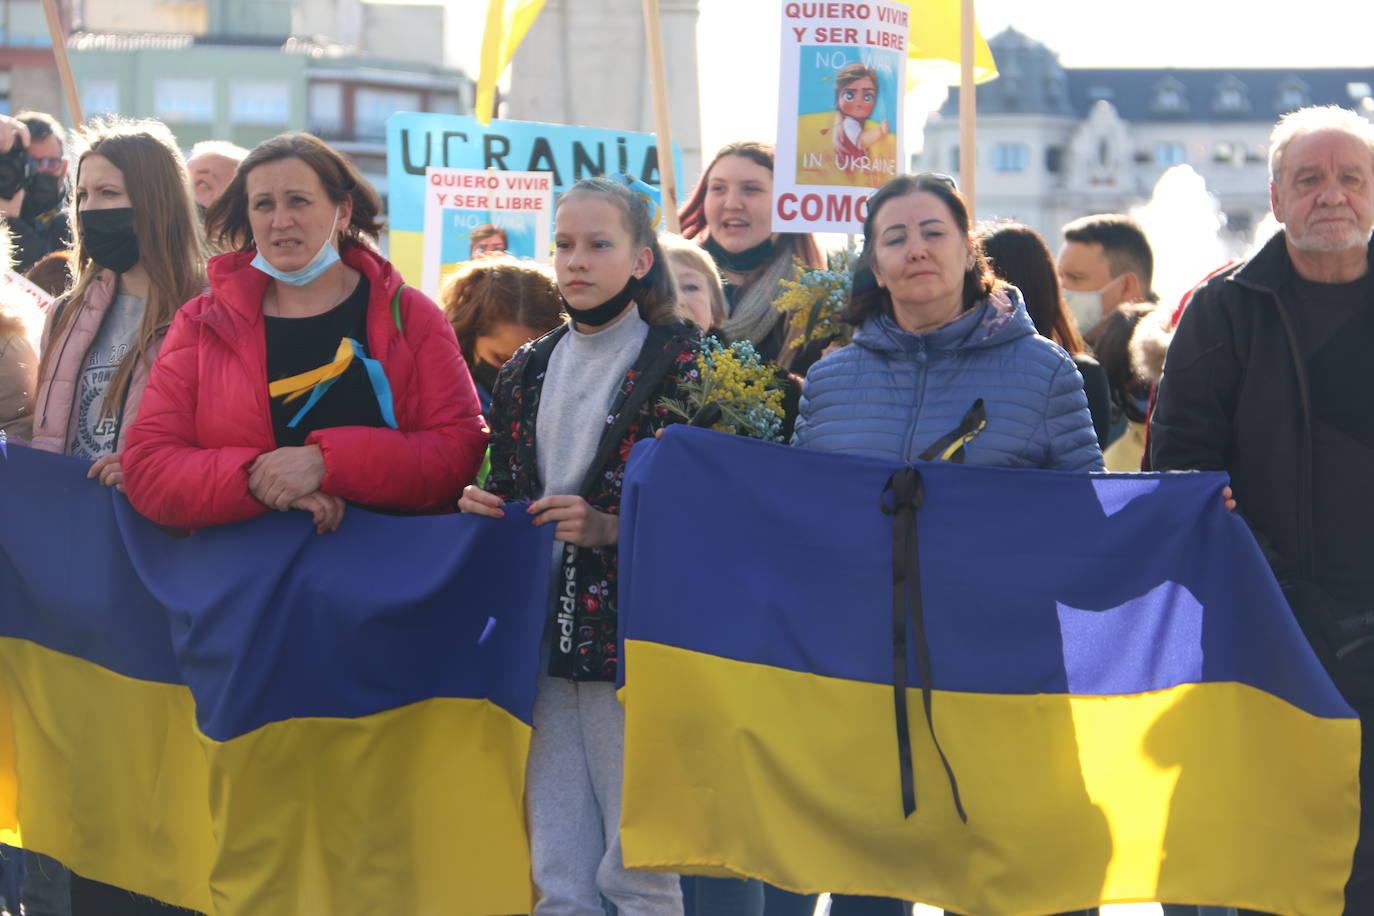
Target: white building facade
x=1056, y=143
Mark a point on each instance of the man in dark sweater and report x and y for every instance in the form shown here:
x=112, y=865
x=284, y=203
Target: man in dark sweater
x=33, y=186
x=1265, y=379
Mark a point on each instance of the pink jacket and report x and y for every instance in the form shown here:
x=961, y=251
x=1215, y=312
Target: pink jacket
x=53, y=414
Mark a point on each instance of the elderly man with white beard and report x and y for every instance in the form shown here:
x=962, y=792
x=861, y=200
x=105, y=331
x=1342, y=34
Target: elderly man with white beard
x=1267, y=379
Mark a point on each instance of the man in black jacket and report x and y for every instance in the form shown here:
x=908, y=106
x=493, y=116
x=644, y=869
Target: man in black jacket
x=33, y=186
x=1266, y=378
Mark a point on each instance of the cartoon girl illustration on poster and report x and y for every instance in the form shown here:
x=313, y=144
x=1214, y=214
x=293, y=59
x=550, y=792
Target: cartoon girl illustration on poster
x=847, y=146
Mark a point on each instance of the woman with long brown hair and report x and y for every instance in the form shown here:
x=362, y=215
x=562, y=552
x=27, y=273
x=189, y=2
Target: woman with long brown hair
x=730, y=214
x=137, y=256
x=1018, y=254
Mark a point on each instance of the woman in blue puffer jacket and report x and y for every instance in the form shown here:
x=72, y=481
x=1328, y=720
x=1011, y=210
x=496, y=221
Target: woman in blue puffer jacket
x=945, y=363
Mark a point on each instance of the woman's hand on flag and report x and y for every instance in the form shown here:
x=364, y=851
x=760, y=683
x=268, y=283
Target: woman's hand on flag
x=327, y=510
x=578, y=522
x=480, y=502
x=280, y=477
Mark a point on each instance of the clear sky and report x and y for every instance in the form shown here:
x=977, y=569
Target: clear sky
x=739, y=63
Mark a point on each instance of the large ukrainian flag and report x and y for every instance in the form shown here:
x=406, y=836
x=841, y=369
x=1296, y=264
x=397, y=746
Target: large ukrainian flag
x=259, y=720
x=1126, y=705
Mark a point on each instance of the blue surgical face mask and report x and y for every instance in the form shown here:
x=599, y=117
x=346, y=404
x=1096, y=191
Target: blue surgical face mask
x=325, y=258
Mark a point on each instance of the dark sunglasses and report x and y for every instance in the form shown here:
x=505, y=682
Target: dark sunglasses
x=46, y=162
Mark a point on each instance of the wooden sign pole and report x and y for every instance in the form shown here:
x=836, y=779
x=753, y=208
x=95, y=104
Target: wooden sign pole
x=64, y=64
x=658, y=80
x=968, y=107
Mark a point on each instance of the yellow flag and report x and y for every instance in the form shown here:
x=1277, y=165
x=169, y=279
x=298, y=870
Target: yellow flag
x=933, y=48
x=507, y=23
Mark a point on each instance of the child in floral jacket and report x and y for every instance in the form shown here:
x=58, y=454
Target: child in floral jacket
x=565, y=413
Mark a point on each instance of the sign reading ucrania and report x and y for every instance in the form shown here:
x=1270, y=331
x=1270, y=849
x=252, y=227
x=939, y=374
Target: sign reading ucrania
x=415, y=142
x=839, y=111
x=470, y=213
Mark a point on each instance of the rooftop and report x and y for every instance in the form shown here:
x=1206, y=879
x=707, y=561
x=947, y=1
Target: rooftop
x=1032, y=81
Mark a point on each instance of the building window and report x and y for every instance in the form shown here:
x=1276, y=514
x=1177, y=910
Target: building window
x=24, y=26
x=1055, y=90
x=99, y=96
x=324, y=115
x=1054, y=159
x=6, y=106
x=1230, y=97
x=1358, y=91
x=1167, y=154
x=184, y=101
x=1224, y=151
x=1010, y=157
x=954, y=159
x=373, y=106
x=1292, y=96
x=445, y=103
x=1168, y=100
x=259, y=102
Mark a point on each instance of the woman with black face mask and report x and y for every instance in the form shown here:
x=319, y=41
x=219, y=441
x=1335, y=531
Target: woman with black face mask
x=496, y=306
x=137, y=256
x=136, y=259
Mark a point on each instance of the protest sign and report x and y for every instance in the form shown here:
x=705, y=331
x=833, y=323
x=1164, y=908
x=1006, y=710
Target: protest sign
x=416, y=142
x=469, y=212
x=843, y=77
x=16, y=285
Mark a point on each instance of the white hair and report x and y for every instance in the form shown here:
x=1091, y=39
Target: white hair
x=218, y=148
x=1312, y=120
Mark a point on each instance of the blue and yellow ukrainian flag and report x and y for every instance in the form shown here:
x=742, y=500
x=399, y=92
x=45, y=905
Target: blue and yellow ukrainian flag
x=261, y=720
x=1121, y=707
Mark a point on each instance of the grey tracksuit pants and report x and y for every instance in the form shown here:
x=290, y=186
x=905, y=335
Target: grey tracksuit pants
x=573, y=793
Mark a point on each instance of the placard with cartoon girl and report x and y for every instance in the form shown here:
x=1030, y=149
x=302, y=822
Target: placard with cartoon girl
x=846, y=112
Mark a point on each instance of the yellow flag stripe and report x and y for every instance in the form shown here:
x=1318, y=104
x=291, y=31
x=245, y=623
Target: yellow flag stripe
x=746, y=769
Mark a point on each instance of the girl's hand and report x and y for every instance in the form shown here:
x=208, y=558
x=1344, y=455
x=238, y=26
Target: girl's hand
x=480, y=502
x=278, y=478
x=578, y=522
x=1228, y=499
x=327, y=510
x=109, y=471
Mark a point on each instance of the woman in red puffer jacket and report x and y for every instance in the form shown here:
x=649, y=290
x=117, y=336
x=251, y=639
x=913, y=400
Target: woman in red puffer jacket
x=309, y=376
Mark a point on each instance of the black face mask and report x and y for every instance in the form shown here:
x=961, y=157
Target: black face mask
x=108, y=237
x=484, y=373
x=44, y=193
x=740, y=262
x=607, y=311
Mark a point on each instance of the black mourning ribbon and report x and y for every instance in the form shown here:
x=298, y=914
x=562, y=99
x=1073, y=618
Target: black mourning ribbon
x=908, y=615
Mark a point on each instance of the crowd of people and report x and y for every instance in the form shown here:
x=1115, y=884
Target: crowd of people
x=295, y=370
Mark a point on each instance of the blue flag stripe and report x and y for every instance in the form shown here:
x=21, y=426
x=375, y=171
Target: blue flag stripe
x=267, y=621
x=1033, y=581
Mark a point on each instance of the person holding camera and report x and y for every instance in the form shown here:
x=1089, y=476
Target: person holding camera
x=33, y=186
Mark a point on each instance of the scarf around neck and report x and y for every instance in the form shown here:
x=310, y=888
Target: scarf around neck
x=753, y=316
x=740, y=262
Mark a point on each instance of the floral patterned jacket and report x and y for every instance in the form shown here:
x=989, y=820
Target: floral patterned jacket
x=585, y=645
